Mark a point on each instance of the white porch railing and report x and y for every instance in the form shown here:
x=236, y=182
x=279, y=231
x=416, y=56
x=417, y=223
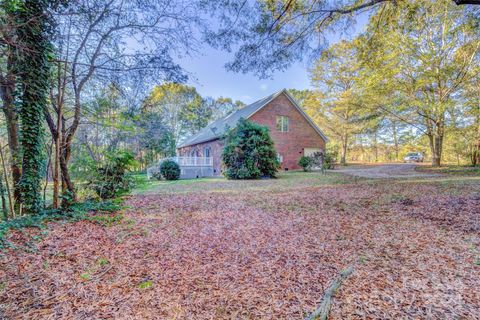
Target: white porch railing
x=182, y=162
x=194, y=161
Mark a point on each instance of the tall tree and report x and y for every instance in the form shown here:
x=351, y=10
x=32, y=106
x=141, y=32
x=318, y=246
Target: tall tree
x=222, y=106
x=301, y=96
x=105, y=39
x=336, y=106
x=33, y=28
x=8, y=81
x=471, y=125
x=270, y=35
x=425, y=55
x=181, y=108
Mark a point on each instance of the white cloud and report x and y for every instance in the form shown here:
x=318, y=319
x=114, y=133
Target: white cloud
x=264, y=87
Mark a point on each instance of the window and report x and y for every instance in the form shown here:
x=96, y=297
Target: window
x=279, y=157
x=282, y=123
x=206, y=152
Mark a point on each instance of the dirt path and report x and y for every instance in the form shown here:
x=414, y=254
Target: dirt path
x=386, y=171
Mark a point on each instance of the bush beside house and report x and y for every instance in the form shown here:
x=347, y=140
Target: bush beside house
x=249, y=152
x=319, y=160
x=306, y=163
x=170, y=170
x=330, y=158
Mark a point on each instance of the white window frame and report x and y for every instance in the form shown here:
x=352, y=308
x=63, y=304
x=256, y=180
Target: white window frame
x=284, y=123
x=205, y=152
x=279, y=157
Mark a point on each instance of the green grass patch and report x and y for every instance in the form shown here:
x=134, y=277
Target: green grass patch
x=450, y=170
x=103, y=262
x=145, y=284
x=285, y=180
x=85, y=276
x=106, y=220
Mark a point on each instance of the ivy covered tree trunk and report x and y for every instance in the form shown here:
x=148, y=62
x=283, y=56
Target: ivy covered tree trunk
x=33, y=26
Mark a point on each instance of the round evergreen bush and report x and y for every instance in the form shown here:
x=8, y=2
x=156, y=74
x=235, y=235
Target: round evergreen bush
x=170, y=170
x=306, y=163
x=249, y=152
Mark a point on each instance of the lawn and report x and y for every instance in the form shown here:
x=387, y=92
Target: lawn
x=266, y=249
x=451, y=170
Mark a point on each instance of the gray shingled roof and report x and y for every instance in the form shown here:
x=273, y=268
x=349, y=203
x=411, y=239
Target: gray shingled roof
x=217, y=129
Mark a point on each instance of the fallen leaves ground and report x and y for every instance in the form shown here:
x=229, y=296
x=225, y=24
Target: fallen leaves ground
x=259, y=250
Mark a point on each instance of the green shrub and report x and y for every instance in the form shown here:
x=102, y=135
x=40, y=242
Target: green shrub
x=111, y=179
x=170, y=170
x=306, y=163
x=157, y=175
x=249, y=152
x=329, y=159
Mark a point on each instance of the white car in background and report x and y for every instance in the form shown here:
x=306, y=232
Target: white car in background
x=413, y=157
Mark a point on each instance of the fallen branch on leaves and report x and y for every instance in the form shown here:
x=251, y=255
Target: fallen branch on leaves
x=321, y=313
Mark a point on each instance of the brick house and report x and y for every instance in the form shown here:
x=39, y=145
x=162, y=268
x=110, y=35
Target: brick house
x=291, y=129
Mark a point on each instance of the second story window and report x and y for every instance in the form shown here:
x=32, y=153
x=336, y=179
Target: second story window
x=282, y=123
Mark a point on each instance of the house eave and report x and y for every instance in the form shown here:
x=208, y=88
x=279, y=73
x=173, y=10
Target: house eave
x=194, y=144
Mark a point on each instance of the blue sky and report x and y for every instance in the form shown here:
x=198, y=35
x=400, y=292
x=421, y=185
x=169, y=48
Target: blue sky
x=210, y=77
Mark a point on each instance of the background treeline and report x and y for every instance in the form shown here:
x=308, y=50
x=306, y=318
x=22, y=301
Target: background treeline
x=91, y=86
x=76, y=81
x=410, y=82
x=149, y=129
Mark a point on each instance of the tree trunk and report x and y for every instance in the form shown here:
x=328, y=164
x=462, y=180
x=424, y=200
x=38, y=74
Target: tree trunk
x=57, y=130
x=69, y=191
x=11, y=116
x=343, y=157
x=35, y=73
x=436, y=146
x=476, y=146
x=436, y=153
x=4, y=201
x=47, y=173
x=56, y=168
x=4, y=167
x=56, y=173
x=395, y=138
x=431, y=144
x=67, y=183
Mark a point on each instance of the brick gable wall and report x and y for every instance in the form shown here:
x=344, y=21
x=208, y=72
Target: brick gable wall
x=290, y=145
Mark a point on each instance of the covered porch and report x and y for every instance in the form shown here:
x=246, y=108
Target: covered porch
x=190, y=167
